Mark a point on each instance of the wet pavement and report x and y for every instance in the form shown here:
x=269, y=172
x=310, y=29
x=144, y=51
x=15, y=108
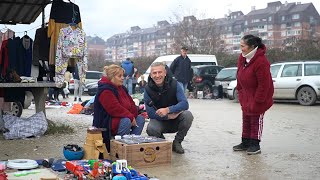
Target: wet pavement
x=290, y=143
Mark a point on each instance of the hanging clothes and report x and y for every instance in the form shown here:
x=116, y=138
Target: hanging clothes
x=61, y=14
x=4, y=58
x=71, y=44
x=26, y=53
x=41, y=46
x=6, y=35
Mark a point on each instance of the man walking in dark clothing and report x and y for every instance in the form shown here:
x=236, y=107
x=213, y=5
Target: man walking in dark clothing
x=181, y=68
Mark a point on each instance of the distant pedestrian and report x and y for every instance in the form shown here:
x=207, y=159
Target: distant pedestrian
x=255, y=89
x=128, y=67
x=181, y=68
x=142, y=84
x=78, y=85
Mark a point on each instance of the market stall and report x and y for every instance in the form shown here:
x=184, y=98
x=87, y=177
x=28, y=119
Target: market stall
x=37, y=64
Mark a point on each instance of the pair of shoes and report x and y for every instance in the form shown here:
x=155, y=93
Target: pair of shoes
x=243, y=146
x=177, y=147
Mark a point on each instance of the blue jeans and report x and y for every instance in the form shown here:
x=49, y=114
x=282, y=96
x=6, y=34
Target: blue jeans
x=125, y=126
x=128, y=84
x=184, y=86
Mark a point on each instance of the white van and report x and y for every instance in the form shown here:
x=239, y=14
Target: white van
x=196, y=59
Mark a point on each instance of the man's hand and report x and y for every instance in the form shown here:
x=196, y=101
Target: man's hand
x=134, y=122
x=174, y=115
x=162, y=112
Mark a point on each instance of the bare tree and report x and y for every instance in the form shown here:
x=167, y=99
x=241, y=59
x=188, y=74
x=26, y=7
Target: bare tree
x=96, y=60
x=200, y=36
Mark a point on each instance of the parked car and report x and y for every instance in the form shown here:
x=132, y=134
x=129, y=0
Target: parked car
x=91, y=88
x=204, y=77
x=232, y=91
x=224, y=77
x=17, y=104
x=298, y=80
x=91, y=76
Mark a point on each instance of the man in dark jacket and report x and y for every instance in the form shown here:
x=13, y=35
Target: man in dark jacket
x=166, y=106
x=181, y=68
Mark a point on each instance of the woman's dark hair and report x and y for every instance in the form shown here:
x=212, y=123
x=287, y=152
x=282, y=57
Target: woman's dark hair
x=252, y=40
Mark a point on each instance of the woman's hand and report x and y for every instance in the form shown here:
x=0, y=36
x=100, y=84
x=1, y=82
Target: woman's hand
x=134, y=122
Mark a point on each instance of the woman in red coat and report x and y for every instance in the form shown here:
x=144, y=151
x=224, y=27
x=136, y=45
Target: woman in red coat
x=255, y=88
x=113, y=100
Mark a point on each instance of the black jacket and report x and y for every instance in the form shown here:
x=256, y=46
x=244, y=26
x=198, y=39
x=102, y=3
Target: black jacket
x=165, y=96
x=181, y=69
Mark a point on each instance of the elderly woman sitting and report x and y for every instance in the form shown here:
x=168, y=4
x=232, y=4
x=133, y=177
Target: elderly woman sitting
x=114, y=108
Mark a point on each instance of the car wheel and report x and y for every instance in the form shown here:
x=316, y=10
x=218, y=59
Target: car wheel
x=206, y=90
x=16, y=109
x=235, y=95
x=306, y=96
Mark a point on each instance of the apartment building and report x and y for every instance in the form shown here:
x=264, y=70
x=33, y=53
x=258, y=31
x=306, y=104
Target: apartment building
x=153, y=41
x=279, y=25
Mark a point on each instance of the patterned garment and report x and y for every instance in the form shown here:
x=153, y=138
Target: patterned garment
x=71, y=44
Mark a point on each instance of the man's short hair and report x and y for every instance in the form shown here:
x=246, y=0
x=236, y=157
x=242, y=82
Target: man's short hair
x=158, y=64
x=184, y=48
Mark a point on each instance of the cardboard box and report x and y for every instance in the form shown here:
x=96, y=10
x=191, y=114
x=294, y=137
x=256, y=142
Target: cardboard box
x=142, y=155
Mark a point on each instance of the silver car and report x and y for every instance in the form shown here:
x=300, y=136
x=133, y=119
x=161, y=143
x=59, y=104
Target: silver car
x=298, y=80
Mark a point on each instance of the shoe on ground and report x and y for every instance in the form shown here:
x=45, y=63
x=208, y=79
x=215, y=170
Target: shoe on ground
x=254, y=149
x=177, y=147
x=80, y=100
x=241, y=147
x=75, y=99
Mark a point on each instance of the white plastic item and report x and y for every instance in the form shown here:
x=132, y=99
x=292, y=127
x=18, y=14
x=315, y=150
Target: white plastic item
x=22, y=164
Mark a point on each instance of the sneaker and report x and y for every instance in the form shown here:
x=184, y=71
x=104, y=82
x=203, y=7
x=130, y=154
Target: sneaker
x=240, y=147
x=75, y=99
x=80, y=100
x=243, y=146
x=177, y=147
x=254, y=149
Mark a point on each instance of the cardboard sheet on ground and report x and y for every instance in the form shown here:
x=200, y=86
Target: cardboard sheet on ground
x=43, y=173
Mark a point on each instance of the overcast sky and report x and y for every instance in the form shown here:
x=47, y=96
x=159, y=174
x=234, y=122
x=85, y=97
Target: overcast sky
x=105, y=18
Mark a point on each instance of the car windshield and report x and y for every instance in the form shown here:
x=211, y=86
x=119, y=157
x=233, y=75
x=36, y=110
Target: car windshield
x=195, y=70
x=227, y=74
x=93, y=75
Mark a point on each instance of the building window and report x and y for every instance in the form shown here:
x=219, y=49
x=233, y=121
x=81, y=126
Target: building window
x=246, y=23
x=283, y=26
x=297, y=24
x=270, y=33
x=255, y=20
x=283, y=18
x=283, y=33
x=295, y=16
x=270, y=26
x=270, y=18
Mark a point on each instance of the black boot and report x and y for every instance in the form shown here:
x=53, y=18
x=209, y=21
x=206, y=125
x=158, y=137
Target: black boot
x=243, y=146
x=177, y=147
x=254, y=147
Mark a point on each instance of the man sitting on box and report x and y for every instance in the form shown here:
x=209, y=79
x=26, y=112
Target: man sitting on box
x=167, y=106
